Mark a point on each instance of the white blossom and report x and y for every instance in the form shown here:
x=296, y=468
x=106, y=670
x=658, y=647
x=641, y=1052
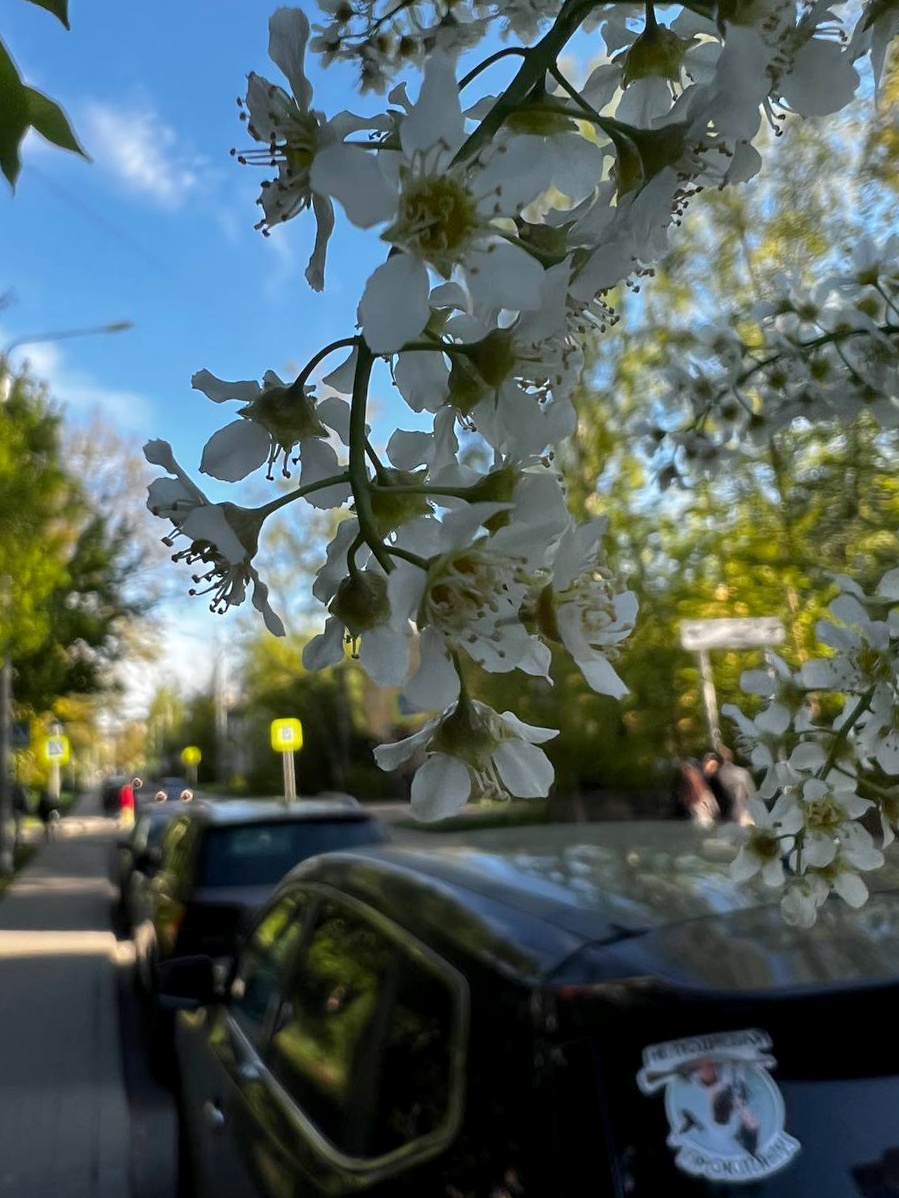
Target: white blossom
x=472, y=750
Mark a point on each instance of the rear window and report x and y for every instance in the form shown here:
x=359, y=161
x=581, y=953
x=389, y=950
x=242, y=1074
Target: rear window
x=261, y=854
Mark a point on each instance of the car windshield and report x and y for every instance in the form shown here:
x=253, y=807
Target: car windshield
x=261, y=854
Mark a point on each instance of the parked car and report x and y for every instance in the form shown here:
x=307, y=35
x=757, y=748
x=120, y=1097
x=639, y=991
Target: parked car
x=221, y=862
x=166, y=789
x=137, y=855
x=546, y=1012
x=110, y=791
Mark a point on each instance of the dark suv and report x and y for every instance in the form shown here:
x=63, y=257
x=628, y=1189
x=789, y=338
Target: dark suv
x=544, y=1013
x=221, y=861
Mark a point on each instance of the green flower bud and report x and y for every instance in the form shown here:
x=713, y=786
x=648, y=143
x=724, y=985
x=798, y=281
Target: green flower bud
x=494, y=356
x=287, y=413
x=548, y=239
x=390, y=508
x=533, y=118
x=468, y=733
x=496, y=487
x=546, y=614
x=361, y=602
x=656, y=52
x=466, y=387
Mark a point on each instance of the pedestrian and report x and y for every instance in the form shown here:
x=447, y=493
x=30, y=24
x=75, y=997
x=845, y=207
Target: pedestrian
x=731, y=784
x=693, y=798
x=126, y=803
x=47, y=812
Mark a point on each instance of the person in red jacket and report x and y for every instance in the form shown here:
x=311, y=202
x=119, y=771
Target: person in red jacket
x=126, y=802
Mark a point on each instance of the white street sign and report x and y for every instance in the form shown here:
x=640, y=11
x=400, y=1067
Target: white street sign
x=735, y=633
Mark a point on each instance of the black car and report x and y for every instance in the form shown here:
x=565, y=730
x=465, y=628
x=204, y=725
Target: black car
x=110, y=792
x=165, y=790
x=137, y=855
x=220, y=863
x=551, y=1012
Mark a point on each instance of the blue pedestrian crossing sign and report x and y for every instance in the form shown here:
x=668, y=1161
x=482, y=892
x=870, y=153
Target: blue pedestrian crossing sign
x=57, y=750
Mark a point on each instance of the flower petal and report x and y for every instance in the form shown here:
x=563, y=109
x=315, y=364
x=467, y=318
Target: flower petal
x=851, y=889
x=524, y=769
x=385, y=655
x=209, y=523
x=273, y=621
x=394, y=306
x=335, y=413
x=532, y=733
x=159, y=453
x=319, y=461
x=436, y=117
x=440, y=787
x=236, y=450
x=435, y=684
x=219, y=391
x=351, y=175
x=288, y=33
x=326, y=649
x=393, y=754
x=324, y=227
x=504, y=276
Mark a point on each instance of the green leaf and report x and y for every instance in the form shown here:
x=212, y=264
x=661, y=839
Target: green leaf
x=14, y=119
x=59, y=8
x=51, y=122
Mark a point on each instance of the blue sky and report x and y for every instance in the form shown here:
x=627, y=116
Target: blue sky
x=158, y=230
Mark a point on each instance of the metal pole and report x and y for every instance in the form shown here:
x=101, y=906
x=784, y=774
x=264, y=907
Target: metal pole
x=6, y=844
x=290, y=782
x=710, y=699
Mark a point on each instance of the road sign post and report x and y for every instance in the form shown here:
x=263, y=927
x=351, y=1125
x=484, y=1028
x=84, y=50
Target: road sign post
x=57, y=753
x=287, y=738
x=191, y=758
x=740, y=632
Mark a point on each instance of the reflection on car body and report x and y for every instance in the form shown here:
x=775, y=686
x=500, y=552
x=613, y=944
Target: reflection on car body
x=475, y=1018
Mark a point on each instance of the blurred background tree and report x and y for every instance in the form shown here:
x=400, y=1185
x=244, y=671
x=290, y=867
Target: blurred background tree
x=69, y=560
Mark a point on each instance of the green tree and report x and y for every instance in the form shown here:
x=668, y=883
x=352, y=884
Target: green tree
x=34, y=493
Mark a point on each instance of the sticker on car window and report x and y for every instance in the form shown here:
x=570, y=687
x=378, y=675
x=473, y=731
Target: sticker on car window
x=725, y=1112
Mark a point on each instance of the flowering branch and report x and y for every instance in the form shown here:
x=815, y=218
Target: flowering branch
x=506, y=232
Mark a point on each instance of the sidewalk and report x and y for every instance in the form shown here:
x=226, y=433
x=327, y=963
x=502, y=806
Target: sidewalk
x=64, y=1125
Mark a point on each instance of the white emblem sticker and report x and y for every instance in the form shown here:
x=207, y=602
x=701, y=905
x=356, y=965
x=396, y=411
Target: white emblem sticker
x=724, y=1109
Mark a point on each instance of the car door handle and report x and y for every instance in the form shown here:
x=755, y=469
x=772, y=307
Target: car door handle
x=213, y=1115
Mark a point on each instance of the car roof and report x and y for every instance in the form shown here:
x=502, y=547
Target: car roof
x=545, y=893
x=232, y=812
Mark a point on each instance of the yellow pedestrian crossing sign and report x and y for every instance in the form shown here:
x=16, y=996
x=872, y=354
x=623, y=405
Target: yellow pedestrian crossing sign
x=191, y=755
x=57, y=750
x=287, y=735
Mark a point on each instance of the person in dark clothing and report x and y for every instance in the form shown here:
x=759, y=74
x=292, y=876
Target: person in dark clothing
x=47, y=811
x=691, y=795
x=731, y=784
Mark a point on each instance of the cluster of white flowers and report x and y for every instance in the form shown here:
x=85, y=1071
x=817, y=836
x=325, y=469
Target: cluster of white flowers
x=825, y=354
x=830, y=778
x=506, y=219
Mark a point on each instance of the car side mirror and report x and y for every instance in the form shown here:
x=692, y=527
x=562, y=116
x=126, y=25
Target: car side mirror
x=186, y=983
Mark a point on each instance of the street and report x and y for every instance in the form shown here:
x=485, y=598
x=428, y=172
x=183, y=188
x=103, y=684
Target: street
x=80, y=1115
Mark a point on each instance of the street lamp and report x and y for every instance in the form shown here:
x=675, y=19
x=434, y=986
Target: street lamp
x=6, y=851
x=117, y=326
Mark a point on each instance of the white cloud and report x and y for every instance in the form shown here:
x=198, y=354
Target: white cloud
x=191, y=639
x=79, y=390
x=143, y=152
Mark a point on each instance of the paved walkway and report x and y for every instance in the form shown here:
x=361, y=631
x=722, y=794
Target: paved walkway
x=64, y=1125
